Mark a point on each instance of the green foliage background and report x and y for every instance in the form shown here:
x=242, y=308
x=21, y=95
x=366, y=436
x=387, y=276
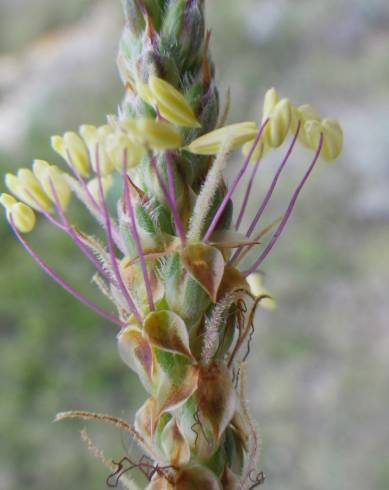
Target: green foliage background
x=319, y=368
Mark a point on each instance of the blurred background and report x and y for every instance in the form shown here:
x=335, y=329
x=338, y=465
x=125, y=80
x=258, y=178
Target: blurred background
x=319, y=371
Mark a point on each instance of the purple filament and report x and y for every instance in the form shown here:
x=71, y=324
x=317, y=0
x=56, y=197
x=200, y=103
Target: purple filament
x=269, y=193
x=67, y=228
x=235, y=183
x=93, y=201
x=172, y=205
x=273, y=184
x=248, y=192
x=173, y=197
x=61, y=282
x=134, y=230
x=111, y=246
x=287, y=214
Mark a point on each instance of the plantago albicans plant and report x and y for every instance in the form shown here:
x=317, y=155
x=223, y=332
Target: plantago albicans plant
x=171, y=262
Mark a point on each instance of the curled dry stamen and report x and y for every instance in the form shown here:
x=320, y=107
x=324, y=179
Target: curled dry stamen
x=256, y=479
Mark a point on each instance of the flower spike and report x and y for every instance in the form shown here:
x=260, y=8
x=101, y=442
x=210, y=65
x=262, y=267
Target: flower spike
x=171, y=258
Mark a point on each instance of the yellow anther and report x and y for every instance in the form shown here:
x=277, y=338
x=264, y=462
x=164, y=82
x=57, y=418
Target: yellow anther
x=118, y=145
x=333, y=139
x=158, y=135
x=312, y=131
x=73, y=150
x=95, y=139
x=23, y=217
x=26, y=187
x=270, y=100
x=308, y=113
x=279, y=124
x=256, y=286
x=171, y=103
x=260, y=151
x=53, y=182
x=7, y=201
x=94, y=187
x=303, y=114
x=145, y=93
x=235, y=135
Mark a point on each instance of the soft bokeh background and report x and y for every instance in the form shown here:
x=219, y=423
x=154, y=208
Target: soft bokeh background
x=319, y=372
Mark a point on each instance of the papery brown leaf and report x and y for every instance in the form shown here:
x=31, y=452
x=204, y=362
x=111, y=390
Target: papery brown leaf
x=174, y=444
x=239, y=426
x=137, y=353
x=206, y=265
x=173, y=394
x=229, y=480
x=197, y=478
x=216, y=396
x=167, y=331
x=159, y=483
x=232, y=281
x=146, y=418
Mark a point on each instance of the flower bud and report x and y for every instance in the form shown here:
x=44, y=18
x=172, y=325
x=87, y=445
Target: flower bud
x=134, y=16
x=234, y=135
x=72, y=149
x=172, y=104
x=27, y=188
x=50, y=176
x=183, y=29
x=95, y=139
x=23, y=217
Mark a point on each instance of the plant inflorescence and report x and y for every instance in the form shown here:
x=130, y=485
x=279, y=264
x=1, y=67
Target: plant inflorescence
x=171, y=264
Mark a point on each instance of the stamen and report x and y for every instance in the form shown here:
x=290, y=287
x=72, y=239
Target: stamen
x=61, y=282
x=43, y=211
x=248, y=192
x=257, y=240
x=173, y=206
x=130, y=210
x=235, y=183
x=269, y=193
x=288, y=212
x=111, y=245
x=173, y=197
x=273, y=184
x=98, y=211
x=67, y=228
